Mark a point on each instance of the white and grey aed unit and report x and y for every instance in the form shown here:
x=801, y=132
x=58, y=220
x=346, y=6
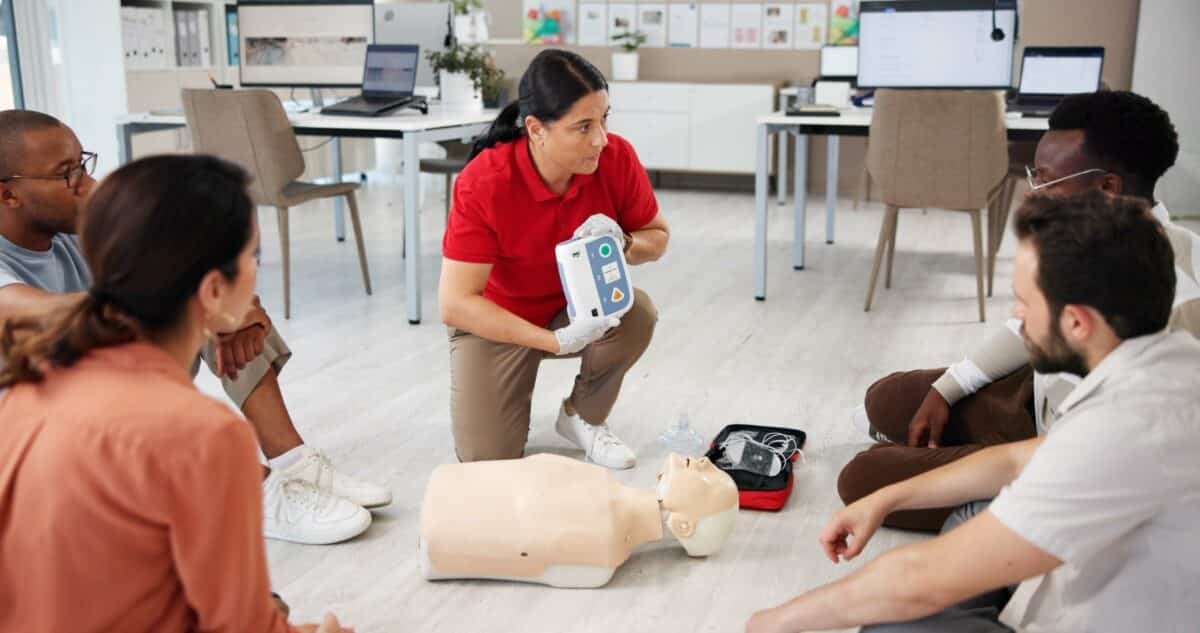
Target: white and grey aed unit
x=594, y=277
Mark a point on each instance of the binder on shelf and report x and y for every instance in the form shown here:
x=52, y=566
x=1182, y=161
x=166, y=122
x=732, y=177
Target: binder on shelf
x=202, y=24
x=181, y=38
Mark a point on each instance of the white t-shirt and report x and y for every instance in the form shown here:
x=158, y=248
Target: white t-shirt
x=1114, y=492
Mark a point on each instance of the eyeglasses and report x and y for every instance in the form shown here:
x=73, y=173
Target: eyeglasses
x=1031, y=178
x=73, y=176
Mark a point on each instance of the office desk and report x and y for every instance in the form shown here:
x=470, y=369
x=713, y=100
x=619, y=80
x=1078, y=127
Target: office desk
x=410, y=125
x=852, y=122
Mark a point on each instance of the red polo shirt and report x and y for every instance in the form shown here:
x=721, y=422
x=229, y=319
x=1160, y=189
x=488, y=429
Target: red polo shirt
x=504, y=215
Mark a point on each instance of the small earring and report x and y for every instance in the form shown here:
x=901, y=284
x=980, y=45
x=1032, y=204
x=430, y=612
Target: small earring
x=207, y=333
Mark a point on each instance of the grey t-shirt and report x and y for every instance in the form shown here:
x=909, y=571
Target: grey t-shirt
x=60, y=269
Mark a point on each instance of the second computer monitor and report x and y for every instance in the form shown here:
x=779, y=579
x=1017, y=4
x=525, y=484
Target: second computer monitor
x=1061, y=70
x=421, y=23
x=839, y=62
x=936, y=43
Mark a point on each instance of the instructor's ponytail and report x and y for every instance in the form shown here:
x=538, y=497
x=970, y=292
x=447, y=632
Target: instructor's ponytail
x=554, y=81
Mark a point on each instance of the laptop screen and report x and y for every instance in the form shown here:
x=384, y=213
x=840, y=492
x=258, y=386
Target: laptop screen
x=1061, y=70
x=391, y=69
x=839, y=61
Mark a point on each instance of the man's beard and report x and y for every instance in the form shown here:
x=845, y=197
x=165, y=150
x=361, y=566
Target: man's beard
x=1056, y=356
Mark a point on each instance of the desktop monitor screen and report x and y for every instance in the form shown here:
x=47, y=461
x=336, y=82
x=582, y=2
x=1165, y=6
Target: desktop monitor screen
x=297, y=43
x=1061, y=70
x=935, y=43
x=839, y=61
x=426, y=24
x=390, y=69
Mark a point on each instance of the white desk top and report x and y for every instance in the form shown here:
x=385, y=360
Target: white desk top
x=404, y=120
x=861, y=117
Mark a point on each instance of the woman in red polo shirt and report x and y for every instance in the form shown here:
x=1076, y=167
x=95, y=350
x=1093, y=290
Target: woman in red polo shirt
x=545, y=172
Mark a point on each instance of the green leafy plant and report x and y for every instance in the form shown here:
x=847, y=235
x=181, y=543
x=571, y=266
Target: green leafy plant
x=472, y=61
x=493, y=77
x=629, y=41
x=463, y=7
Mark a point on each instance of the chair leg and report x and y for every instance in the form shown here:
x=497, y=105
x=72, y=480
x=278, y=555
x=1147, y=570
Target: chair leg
x=889, y=216
x=999, y=224
x=356, y=221
x=864, y=187
x=285, y=249
x=449, y=192
x=891, y=251
x=977, y=226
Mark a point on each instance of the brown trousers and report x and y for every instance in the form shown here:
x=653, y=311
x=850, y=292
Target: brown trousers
x=491, y=384
x=1000, y=412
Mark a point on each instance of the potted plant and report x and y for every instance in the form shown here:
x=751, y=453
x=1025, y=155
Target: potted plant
x=462, y=72
x=625, y=62
x=492, y=88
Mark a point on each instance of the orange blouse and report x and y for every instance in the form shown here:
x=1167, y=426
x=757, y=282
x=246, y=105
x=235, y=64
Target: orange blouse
x=129, y=501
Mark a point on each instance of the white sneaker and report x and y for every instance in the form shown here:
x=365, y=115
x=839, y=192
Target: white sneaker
x=596, y=440
x=315, y=468
x=295, y=510
x=858, y=417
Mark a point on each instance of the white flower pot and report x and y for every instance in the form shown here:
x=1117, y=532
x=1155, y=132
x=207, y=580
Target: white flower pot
x=459, y=92
x=624, y=66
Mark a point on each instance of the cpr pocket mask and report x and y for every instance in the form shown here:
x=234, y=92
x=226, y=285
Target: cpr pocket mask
x=595, y=277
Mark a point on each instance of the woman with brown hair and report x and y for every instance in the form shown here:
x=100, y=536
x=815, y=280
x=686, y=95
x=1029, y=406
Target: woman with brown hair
x=128, y=500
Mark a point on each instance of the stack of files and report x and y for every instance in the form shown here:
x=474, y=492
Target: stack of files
x=145, y=37
x=193, y=44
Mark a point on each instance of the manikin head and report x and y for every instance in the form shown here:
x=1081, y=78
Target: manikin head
x=701, y=502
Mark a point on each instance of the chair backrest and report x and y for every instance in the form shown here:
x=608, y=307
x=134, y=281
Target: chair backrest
x=250, y=128
x=944, y=149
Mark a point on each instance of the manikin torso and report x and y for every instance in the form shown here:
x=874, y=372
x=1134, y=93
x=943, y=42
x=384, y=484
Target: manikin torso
x=557, y=521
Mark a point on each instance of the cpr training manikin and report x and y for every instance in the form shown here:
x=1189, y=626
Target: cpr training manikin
x=556, y=521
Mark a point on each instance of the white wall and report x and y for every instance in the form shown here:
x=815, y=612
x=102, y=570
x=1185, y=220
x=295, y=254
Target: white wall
x=1164, y=69
x=93, y=74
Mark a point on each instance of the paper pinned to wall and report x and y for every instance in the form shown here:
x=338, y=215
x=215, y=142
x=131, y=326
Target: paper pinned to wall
x=652, y=22
x=593, y=24
x=746, y=22
x=682, y=20
x=622, y=18
x=811, y=18
x=843, y=23
x=778, y=25
x=714, y=25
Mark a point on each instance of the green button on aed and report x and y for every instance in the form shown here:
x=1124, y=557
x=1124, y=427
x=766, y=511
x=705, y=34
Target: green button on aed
x=605, y=250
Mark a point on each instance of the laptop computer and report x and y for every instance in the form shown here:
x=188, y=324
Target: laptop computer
x=389, y=76
x=1049, y=73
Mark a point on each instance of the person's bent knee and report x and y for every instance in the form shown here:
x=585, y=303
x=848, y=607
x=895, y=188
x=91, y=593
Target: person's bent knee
x=484, y=452
x=859, y=477
x=638, y=324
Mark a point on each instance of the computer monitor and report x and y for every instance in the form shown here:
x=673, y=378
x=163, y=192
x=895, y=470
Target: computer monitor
x=426, y=24
x=936, y=43
x=839, y=62
x=390, y=70
x=320, y=44
x=1061, y=70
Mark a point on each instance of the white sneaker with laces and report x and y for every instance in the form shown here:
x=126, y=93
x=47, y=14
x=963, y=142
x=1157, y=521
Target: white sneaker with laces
x=297, y=511
x=316, y=468
x=596, y=440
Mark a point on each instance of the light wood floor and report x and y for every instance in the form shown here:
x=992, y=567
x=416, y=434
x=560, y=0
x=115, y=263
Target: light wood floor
x=373, y=392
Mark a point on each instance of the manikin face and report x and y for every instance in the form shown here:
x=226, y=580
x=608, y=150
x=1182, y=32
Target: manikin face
x=702, y=502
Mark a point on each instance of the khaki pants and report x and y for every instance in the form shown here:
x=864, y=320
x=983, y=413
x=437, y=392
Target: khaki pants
x=275, y=355
x=491, y=384
x=1000, y=412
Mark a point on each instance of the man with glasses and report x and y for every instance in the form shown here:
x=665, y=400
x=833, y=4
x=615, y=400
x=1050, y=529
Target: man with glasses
x=45, y=179
x=1116, y=142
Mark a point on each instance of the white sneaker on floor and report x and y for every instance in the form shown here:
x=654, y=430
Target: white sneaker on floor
x=315, y=468
x=295, y=510
x=596, y=440
x=858, y=417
